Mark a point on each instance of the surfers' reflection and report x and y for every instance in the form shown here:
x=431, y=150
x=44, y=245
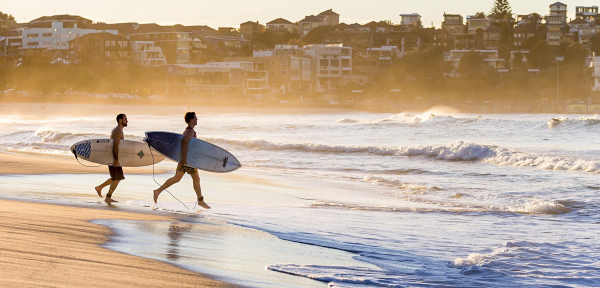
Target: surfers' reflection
x=175, y=234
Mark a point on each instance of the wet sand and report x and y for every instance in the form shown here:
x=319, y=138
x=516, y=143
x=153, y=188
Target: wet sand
x=55, y=245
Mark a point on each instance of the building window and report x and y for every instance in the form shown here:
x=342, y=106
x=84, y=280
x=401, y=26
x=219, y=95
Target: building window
x=323, y=56
x=295, y=72
x=47, y=35
x=33, y=35
x=33, y=43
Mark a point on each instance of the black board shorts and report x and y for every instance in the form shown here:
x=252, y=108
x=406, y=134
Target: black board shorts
x=116, y=173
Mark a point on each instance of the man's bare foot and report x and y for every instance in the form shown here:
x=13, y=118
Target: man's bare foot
x=109, y=200
x=156, y=193
x=99, y=190
x=203, y=204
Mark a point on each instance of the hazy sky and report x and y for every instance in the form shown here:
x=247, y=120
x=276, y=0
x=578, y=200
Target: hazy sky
x=233, y=12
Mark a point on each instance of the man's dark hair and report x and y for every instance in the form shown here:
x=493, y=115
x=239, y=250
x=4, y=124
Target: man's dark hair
x=189, y=116
x=120, y=117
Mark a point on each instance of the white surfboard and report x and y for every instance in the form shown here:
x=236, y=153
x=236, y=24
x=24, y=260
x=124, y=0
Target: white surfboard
x=131, y=153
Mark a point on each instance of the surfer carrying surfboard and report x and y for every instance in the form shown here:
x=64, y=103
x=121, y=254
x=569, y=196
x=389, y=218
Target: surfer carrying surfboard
x=115, y=170
x=182, y=168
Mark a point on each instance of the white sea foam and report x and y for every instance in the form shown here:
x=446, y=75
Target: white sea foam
x=395, y=183
x=402, y=117
x=460, y=151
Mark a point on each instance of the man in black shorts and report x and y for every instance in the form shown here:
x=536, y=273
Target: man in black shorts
x=115, y=170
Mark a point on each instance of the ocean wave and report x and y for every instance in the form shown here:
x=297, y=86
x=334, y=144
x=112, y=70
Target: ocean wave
x=340, y=276
x=49, y=141
x=460, y=151
x=573, y=123
x=402, y=117
x=397, y=184
x=536, y=206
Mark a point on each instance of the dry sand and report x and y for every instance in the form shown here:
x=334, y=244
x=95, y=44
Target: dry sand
x=56, y=246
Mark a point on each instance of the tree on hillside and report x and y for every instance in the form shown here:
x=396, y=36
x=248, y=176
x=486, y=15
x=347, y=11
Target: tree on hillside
x=541, y=56
x=479, y=15
x=268, y=39
x=575, y=55
x=6, y=17
x=501, y=7
x=595, y=44
x=315, y=36
x=517, y=63
x=296, y=41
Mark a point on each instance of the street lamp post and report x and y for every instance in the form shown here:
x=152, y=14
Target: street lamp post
x=558, y=59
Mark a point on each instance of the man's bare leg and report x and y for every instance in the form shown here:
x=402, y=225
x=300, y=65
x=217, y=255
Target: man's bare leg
x=113, y=186
x=168, y=183
x=196, y=178
x=101, y=186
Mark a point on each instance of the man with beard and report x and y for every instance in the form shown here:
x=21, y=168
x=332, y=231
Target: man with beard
x=115, y=170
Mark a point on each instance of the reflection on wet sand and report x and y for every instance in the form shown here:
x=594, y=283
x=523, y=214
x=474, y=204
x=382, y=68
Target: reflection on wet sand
x=175, y=234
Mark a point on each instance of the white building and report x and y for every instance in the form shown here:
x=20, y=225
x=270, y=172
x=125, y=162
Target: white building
x=55, y=38
x=330, y=63
x=595, y=64
x=146, y=54
x=413, y=19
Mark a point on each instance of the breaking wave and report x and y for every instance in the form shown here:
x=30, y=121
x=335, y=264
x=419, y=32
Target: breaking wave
x=573, y=123
x=49, y=141
x=402, y=117
x=460, y=151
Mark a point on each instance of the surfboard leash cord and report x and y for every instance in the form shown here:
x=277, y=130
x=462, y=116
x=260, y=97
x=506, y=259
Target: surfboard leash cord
x=77, y=158
x=161, y=185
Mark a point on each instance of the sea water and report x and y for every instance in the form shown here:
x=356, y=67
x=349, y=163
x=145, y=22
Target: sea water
x=417, y=199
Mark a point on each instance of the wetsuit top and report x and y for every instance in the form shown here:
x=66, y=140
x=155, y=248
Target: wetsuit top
x=192, y=130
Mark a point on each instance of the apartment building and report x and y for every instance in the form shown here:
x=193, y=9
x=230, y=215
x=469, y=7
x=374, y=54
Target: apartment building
x=55, y=39
x=476, y=23
x=216, y=80
x=555, y=23
x=250, y=29
x=329, y=17
x=330, y=62
x=101, y=49
x=175, y=46
x=282, y=25
x=453, y=24
x=522, y=33
x=145, y=53
x=578, y=23
x=586, y=13
x=309, y=23
x=413, y=20
x=288, y=72
x=492, y=37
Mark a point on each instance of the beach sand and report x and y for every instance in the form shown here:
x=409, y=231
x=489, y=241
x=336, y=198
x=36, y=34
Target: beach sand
x=54, y=245
x=25, y=164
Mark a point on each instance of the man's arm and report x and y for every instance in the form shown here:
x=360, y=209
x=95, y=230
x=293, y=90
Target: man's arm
x=187, y=137
x=115, y=149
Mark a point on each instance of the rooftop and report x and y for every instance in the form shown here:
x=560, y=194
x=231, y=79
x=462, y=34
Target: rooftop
x=328, y=12
x=103, y=36
x=280, y=21
x=311, y=18
x=65, y=17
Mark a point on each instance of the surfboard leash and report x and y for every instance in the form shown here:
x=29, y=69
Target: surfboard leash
x=77, y=158
x=161, y=185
